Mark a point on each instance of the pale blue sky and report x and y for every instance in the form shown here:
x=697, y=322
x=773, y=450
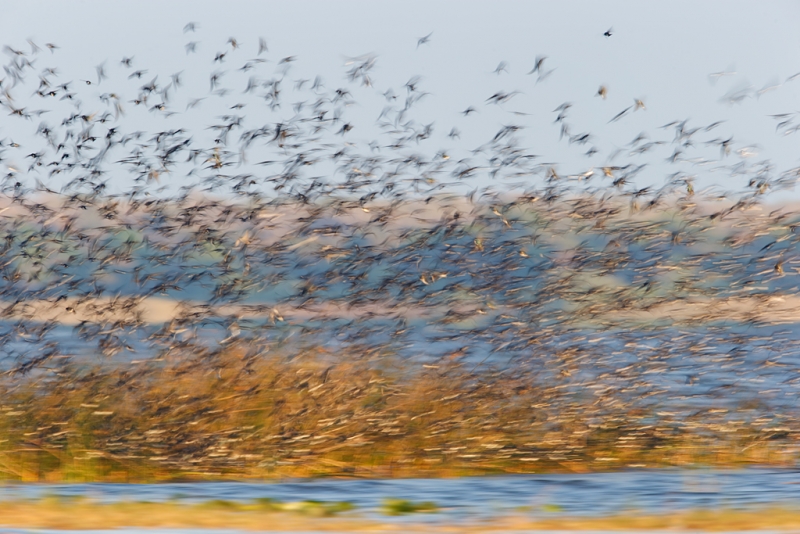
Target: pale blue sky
x=661, y=52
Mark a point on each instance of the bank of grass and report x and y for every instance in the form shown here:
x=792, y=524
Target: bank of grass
x=83, y=514
x=723, y=520
x=240, y=413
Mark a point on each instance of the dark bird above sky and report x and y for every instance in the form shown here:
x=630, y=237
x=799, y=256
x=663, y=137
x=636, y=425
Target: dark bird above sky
x=424, y=40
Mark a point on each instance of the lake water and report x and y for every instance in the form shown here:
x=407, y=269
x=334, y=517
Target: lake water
x=480, y=497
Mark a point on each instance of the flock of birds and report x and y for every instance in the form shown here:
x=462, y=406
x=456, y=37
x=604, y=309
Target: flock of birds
x=287, y=229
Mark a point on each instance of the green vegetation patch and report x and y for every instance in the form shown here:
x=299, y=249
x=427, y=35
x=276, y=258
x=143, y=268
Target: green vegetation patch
x=403, y=506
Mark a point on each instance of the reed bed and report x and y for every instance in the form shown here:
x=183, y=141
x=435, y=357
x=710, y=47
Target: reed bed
x=239, y=413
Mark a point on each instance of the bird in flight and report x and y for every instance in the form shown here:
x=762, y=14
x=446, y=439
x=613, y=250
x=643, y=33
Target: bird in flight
x=537, y=67
x=501, y=67
x=621, y=114
x=423, y=40
x=609, y=32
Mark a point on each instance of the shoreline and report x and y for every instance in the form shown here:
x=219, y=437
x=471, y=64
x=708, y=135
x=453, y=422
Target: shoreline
x=82, y=514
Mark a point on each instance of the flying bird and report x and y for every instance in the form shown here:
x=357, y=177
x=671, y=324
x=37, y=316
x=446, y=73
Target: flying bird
x=537, y=65
x=424, y=40
x=621, y=114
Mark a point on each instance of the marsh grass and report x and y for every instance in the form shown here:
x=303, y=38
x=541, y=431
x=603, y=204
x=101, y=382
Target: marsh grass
x=730, y=520
x=84, y=514
x=235, y=414
x=71, y=514
x=403, y=506
x=309, y=508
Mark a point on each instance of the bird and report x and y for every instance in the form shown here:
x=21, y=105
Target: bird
x=621, y=114
x=537, y=65
x=501, y=67
x=424, y=40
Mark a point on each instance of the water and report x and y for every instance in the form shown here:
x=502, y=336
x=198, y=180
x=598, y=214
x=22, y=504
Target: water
x=655, y=492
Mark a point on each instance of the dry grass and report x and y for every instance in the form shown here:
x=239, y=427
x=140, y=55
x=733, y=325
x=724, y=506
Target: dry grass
x=694, y=520
x=84, y=514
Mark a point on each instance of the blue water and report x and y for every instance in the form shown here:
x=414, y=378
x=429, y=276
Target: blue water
x=651, y=491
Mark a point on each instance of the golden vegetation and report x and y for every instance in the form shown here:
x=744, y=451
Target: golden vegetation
x=78, y=514
x=241, y=413
x=83, y=514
